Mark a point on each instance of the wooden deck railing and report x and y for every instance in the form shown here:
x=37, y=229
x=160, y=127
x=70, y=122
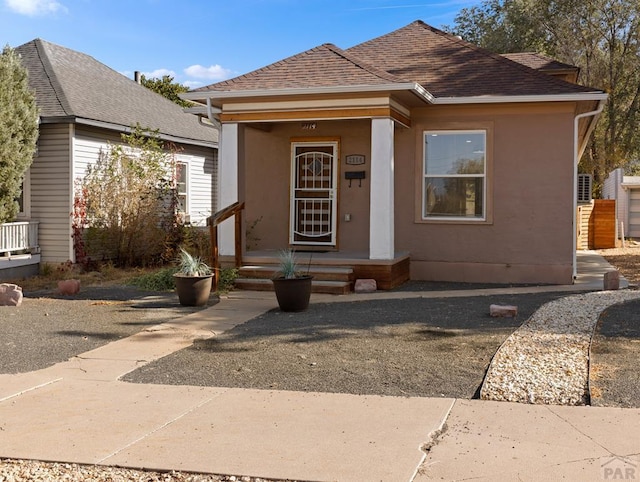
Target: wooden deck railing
x=234, y=209
x=18, y=236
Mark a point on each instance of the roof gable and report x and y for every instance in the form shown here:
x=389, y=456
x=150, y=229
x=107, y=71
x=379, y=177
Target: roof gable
x=447, y=66
x=442, y=64
x=546, y=64
x=70, y=84
x=538, y=61
x=322, y=66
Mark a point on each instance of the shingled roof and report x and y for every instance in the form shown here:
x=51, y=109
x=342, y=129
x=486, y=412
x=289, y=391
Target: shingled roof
x=538, y=61
x=444, y=65
x=322, y=66
x=74, y=87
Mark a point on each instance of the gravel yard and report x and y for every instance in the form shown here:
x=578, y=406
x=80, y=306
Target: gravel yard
x=615, y=350
x=48, y=328
x=546, y=361
x=28, y=470
x=410, y=347
x=615, y=354
x=414, y=347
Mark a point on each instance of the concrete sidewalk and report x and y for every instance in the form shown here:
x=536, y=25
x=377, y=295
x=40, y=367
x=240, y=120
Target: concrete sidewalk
x=78, y=411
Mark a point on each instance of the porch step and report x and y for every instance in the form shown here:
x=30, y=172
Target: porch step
x=326, y=279
x=319, y=273
x=317, y=286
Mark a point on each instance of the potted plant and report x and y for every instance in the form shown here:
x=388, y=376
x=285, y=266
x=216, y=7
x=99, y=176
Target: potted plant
x=193, y=280
x=293, y=290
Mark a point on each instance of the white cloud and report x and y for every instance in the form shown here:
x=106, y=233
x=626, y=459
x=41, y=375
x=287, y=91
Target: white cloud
x=159, y=73
x=214, y=72
x=192, y=84
x=35, y=7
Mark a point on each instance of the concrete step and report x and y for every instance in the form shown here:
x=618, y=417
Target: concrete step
x=317, y=286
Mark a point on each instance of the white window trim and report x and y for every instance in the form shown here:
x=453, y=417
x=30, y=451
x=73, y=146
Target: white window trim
x=459, y=219
x=184, y=164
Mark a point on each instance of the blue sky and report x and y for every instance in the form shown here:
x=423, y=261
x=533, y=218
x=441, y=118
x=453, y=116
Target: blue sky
x=199, y=42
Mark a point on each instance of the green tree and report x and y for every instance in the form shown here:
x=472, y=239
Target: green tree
x=166, y=87
x=602, y=37
x=502, y=26
x=125, y=206
x=18, y=130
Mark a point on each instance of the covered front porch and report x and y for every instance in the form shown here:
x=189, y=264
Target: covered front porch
x=315, y=171
x=300, y=189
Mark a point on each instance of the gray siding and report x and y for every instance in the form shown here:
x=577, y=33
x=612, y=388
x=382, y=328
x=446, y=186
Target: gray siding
x=87, y=146
x=201, y=184
x=53, y=175
x=202, y=168
x=51, y=192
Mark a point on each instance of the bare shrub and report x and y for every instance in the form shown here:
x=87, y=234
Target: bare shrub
x=126, y=204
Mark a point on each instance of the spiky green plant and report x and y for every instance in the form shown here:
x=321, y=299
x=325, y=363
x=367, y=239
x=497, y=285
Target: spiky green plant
x=288, y=263
x=189, y=265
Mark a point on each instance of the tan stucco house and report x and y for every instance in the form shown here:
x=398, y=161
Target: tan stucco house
x=414, y=154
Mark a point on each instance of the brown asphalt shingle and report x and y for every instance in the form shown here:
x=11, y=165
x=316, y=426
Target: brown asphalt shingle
x=443, y=64
x=322, y=66
x=538, y=61
x=450, y=67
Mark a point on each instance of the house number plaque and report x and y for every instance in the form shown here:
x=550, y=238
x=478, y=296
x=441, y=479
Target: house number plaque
x=355, y=159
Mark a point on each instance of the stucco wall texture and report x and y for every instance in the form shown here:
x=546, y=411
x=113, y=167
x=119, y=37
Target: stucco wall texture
x=527, y=236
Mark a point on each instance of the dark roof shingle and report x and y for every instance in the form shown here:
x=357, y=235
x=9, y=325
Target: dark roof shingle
x=447, y=66
x=71, y=84
x=322, y=66
x=538, y=61
x=443, y=64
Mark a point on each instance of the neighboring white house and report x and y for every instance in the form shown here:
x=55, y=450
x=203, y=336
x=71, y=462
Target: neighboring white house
x=625, y=190
x=84, y=106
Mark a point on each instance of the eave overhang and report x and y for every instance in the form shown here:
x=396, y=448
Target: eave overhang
x=509, y=99
x=218, y=97
x=346, y=102
x=124, y=129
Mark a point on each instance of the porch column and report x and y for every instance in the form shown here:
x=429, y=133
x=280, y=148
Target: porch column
x=227, y=184
x=381, y=225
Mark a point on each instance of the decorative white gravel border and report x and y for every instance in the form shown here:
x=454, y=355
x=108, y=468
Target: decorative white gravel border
x=546, y=360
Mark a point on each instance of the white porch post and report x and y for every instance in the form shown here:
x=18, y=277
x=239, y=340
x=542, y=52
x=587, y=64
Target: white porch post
x=227, y=185
x=381, y=225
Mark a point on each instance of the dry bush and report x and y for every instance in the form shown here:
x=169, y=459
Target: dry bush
x=125, y=207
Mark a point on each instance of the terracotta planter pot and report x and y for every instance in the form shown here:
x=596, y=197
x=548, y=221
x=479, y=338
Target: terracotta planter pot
x=193, y=290
x=293, y=294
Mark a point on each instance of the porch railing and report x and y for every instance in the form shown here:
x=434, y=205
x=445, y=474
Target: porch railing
x=234, y=209
x=19, y=236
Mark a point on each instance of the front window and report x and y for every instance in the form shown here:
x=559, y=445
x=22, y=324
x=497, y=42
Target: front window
x=454, y=185
x=182, y=174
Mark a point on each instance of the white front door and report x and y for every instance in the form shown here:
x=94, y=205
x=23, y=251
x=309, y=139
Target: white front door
x=314, y=179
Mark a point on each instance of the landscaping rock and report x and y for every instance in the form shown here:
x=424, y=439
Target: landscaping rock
x=365, y=286
x=503, y=311
x=10, y=295
x=69, y=287
x=611, y=280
